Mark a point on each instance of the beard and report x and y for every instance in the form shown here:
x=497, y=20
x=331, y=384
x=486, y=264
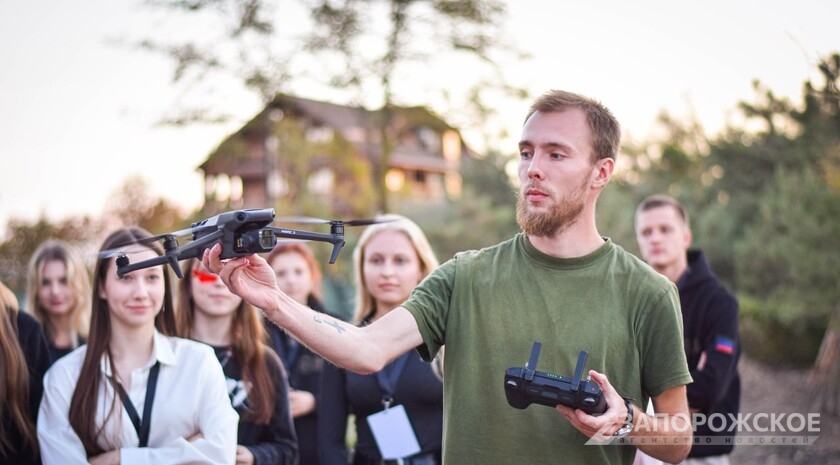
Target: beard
x=560, y=215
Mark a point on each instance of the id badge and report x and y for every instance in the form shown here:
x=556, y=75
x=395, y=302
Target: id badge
x=393, y=433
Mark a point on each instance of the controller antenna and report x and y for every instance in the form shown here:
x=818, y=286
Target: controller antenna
x=531, y=366
x=581, y=362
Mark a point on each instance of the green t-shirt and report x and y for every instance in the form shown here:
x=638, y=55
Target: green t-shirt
x=489, y=306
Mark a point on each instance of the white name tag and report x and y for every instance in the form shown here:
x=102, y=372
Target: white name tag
x=393, y=433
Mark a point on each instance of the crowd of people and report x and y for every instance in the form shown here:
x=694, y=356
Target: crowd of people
x=240, y=361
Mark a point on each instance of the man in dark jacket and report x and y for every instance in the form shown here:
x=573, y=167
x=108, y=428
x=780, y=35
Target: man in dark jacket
x=710, y=325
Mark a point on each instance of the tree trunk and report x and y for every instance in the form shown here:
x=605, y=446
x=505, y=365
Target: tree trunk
x=384, y=162
x=824, y=382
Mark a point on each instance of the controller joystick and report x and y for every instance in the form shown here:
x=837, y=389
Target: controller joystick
x=525, y=386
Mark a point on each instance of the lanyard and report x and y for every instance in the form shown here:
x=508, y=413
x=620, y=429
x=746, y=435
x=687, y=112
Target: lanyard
x=388, y=377
x=291, y=352
x=142, y=427
x=286, y=347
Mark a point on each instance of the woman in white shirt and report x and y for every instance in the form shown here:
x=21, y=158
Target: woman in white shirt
x=134, y=393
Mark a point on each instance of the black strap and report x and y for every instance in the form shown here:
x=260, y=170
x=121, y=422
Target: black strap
x=389, y=376
x=286, y=347
x=141, y=426
x=291, y=352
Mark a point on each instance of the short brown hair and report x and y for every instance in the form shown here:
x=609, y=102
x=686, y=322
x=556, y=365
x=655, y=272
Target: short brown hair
x=606, y=131
x=661, y=200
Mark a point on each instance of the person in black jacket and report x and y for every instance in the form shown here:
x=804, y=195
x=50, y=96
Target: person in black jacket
x=298, y=275
x=24, y=358
x=257, y=384
x=710, y=324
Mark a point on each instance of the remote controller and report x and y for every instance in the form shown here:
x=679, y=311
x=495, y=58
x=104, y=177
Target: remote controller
x=525, y=386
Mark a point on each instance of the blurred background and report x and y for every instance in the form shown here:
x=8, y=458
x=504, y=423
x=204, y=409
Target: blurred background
x=164, y=112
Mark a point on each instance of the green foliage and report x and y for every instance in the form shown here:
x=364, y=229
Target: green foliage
x=616, y=211
x=470, y=223
x=789, y=253
x=768, y=331
x=764, y=205
x=714, y=226
x=483, y=215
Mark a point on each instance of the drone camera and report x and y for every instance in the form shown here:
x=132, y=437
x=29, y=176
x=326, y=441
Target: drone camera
x=257, y=241
x=267, y=239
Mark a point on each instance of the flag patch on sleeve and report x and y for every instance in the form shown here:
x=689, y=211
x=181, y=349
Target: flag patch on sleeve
x=724, y=345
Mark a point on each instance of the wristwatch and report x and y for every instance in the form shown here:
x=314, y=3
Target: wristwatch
x=628, y=423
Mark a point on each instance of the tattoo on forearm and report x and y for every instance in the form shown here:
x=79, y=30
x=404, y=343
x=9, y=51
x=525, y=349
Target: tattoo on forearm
x=340, y=329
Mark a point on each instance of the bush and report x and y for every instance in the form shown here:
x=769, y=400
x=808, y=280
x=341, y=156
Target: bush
x=771, y=333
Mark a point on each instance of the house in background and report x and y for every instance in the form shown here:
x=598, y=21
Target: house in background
x=302, y=156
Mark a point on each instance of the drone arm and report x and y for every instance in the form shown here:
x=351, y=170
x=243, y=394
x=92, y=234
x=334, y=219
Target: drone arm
x=306, y=235
x=337, y=240
x=124, y=267
x=195, y=249
x=336, y=249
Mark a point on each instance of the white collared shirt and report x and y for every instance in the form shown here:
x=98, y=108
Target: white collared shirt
x=191, y=398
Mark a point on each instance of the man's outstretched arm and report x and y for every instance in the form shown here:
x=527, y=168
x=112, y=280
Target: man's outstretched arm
x=362, y=350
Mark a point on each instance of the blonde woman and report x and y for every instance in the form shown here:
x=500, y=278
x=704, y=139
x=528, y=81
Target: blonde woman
x=390, y=259
x=58, y=295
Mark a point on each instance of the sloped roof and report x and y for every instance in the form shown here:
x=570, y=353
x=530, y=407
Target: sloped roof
x=328, y=114
x=239, y=154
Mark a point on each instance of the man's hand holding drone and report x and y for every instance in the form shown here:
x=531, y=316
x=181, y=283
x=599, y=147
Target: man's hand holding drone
x=249, y=277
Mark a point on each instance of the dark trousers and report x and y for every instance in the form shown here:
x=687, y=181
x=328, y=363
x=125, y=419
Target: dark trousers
x=423, y=458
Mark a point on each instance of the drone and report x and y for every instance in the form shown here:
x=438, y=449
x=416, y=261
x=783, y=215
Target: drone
x=240, y=232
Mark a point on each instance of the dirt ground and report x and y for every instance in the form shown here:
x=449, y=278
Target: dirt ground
x=769, y=390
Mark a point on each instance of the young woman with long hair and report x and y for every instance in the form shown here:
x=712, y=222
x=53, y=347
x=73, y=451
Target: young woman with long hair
x=58, y=295
x=135, y=393
x=24, y=358
x=390, y=259
x=257, y=385
x=299, y=275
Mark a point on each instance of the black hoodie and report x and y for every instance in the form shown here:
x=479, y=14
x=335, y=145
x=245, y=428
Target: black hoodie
x=710, y=325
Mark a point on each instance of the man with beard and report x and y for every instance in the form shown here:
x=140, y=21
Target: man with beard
x=558, y=282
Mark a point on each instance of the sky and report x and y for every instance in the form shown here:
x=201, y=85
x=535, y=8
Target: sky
x=78, y=113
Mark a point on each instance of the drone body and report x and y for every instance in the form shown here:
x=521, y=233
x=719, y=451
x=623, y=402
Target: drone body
x=240, y=232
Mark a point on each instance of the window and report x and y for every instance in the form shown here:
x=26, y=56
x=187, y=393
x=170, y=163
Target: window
x=321, y=182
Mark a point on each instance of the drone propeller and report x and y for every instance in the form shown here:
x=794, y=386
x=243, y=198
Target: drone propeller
x=302, y=220
x=180, y=233
x=311, y=220
x=367, y=222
